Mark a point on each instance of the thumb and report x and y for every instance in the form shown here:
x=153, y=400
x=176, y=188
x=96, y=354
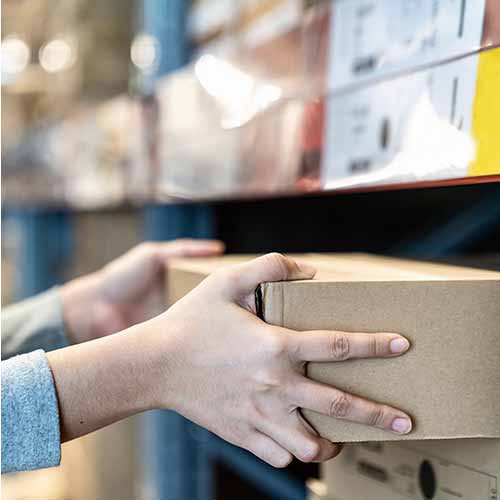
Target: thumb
x=245, y=278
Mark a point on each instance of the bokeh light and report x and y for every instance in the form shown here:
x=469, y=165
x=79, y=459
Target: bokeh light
x=57, y=55
x=16, y=56
x=145, y=52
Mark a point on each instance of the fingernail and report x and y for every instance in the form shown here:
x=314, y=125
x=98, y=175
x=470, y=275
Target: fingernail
x=401, y=425
x=306, y=268
x=399, y=345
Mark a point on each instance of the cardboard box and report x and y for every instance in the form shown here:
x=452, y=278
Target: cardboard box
x=316, y=490
x=450, y=378
x=442, y=470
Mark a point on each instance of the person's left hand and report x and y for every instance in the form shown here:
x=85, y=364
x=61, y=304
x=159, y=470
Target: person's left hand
x=129, y=290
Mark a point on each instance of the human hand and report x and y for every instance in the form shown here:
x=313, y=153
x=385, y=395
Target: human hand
x=225, y=369
x=127, y=291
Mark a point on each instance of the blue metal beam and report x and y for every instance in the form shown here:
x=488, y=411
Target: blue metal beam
x=165, y=21
x=176, y=465
x=178, y=221
x=459, y=233
x=38, y=242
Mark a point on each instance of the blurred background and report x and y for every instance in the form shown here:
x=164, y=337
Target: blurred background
x=287, y=125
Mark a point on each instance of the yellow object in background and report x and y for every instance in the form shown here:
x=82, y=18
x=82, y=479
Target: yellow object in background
x=486, y=118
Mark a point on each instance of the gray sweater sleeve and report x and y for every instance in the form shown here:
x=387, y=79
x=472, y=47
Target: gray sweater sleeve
x=30, y=414
x=32, y=324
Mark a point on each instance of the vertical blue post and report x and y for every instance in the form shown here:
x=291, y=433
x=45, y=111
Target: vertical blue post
x=169, y=222
x=38, y=243
x=165, y=20
x=176, y=463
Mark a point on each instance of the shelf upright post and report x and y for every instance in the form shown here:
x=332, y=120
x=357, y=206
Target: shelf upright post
x=38, y=242
x=175, y=461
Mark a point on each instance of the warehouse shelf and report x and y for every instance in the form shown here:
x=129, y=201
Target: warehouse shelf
x=285, y=116
x=196, y=139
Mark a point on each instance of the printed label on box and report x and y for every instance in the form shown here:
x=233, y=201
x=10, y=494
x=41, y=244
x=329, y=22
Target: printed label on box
x=370, y=39
x=409, y=129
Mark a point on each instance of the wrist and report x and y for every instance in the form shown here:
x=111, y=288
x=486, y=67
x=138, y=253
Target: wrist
x=102, y=381
x=81, y=308
x=156, y=344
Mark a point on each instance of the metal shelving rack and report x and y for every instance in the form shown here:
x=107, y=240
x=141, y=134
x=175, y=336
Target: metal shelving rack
x=43, y=242
x=178, y=457
x=175, y=458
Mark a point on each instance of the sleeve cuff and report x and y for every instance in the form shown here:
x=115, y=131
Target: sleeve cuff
x=36, y=323
x=31, y=436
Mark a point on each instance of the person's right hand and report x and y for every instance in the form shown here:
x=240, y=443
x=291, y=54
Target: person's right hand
x=243, y=379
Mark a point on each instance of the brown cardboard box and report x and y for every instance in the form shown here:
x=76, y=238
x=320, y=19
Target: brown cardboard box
x=417, y=470
x=449, y=380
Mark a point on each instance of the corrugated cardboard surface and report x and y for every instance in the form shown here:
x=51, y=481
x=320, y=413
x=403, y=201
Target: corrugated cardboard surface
x=449, y=381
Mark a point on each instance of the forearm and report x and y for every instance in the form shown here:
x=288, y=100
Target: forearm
x=105, y=380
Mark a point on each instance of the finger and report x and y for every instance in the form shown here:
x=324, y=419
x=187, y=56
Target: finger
x=190, y=248
x=300, y=442
x=339, y=346
x=268, y=450
x=309, y=428
x=271, y=267
x=335, y=403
